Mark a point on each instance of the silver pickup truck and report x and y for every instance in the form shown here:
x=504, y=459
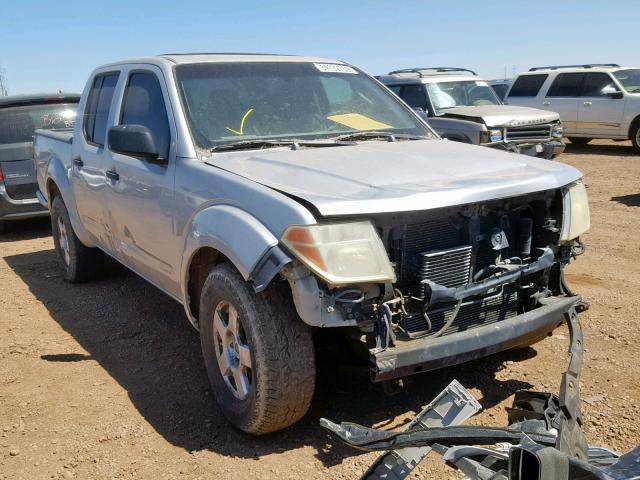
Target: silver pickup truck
x=274, y=196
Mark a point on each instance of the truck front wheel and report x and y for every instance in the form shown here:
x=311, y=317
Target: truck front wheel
x=258, y=353
x=79, y=262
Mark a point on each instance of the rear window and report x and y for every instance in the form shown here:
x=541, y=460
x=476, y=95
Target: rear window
x=567, y=85
x=527, y=85
x=17, y=124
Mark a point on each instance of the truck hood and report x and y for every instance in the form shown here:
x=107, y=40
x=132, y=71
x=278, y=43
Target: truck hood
x=502, y=115
x=378, y=177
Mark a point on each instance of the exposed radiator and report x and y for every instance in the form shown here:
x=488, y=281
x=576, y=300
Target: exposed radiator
x=450, y=267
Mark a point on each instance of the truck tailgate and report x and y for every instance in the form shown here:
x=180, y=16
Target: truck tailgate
x=18, y=170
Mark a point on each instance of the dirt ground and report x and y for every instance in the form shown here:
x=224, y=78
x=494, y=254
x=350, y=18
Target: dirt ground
x=105, y=380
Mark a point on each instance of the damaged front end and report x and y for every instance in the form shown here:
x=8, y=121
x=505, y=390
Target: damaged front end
x=469, y=281
x=544, y=438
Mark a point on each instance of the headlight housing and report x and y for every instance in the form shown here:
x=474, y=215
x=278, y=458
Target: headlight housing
x=575, y=211
x=341, y=253
x=557, y=131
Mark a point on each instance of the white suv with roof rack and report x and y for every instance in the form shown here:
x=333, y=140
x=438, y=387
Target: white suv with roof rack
x=462, y=107
x=594, y=100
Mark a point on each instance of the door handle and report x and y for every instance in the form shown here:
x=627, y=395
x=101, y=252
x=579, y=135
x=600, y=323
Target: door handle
x=112, y=175
x=587, y=104
x=77, y=161
x=546, y=103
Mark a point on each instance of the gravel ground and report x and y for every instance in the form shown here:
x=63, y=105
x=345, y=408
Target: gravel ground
x=105, y=380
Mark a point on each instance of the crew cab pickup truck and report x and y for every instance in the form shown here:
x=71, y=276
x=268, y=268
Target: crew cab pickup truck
x=462, y=107
x=274, y=196
x=20, y=116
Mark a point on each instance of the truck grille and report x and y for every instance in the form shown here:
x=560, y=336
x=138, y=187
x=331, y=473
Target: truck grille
x=529, y=132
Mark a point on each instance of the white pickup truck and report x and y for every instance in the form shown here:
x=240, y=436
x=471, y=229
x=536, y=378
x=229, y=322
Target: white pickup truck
x=274, y=196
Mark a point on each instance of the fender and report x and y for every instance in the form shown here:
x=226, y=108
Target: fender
x=236, y=234
x=59, y=174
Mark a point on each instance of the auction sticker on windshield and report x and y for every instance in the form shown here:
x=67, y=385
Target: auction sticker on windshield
x=334, y=68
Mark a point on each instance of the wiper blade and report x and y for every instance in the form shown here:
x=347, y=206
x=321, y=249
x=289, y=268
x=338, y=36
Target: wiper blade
x=293, y=143
x=372, y=135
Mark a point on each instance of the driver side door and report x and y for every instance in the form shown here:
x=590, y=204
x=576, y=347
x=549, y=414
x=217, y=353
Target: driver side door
x=140, y=204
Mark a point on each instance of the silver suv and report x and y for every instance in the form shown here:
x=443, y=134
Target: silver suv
x=594, y=101
x=462, y=107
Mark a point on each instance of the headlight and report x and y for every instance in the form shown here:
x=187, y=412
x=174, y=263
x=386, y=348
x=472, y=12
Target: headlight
x=495, y=135
x=341, y=253
x=557, y=131
x=575, y=212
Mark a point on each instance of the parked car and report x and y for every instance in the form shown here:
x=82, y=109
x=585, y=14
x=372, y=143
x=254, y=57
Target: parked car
x=462, y=107
x=20, y=115
x=594, y=101
x=500, y=87
x=274, y=196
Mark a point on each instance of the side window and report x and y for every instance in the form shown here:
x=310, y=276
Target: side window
x=143, y=104
x=567, y=85
x=395, y=89
x=598, y=85
x=414, y=96
x=527, y=85
x=98, y=106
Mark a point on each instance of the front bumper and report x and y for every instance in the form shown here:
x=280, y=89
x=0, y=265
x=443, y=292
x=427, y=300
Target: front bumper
x=421, y=355
x=547, y=149
x=11, y=209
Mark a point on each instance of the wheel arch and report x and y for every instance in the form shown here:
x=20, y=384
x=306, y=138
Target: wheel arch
x=217, y=234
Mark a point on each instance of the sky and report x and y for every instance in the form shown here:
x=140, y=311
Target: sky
x=51, y=46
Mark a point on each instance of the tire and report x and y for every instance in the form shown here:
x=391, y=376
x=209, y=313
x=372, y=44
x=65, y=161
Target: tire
x=635, y=136
x=277, y=389
x=579, y=141
x=79, y=263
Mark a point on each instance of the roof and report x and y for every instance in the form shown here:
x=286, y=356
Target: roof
x=594, y=67
x=184, y=58
x=15, y=100
x=406, y=78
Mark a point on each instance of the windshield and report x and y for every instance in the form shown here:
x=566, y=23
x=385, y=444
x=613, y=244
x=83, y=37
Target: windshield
x=17, y=124
x=231, y=102
x=630, y=79
x=466, y=93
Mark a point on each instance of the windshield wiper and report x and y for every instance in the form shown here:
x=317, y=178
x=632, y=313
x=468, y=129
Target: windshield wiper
x=294, y=144
x=372, y=135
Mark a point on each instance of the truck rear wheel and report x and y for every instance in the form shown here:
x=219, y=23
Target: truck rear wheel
x=79, y=262
x=258, y=353
x=580, y=141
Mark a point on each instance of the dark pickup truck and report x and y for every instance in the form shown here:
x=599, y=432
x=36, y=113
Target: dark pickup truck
x=20, y=116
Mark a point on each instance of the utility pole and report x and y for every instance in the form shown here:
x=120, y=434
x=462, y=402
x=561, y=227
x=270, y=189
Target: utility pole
x=3, y=84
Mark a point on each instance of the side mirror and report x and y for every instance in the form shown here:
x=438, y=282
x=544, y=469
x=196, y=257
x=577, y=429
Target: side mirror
x=135, y=141
x=615, y=95
x=421, y=112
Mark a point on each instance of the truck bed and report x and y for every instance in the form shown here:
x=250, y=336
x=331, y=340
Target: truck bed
x=49, y=144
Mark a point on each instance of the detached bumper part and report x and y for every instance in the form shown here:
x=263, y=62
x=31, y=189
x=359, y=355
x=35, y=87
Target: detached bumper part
x=425, y=354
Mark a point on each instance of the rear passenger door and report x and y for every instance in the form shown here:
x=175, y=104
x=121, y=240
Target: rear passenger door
x=90, y=157
x=140, y=205
x=563, y=97
x=599, y=112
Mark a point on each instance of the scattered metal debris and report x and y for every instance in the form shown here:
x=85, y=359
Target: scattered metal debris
x=544, y=438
